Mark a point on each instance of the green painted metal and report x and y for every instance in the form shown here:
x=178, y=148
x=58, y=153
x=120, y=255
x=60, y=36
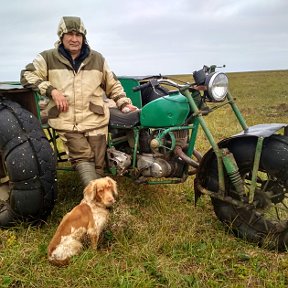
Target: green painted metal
x=128, y=84
x=237, y=112
x=210, y=138
x=136, y=143
x=232, y=170
x=113, y=171
x=193, y=137
x=169, y=131
x=173, y=181
x=36, y=99
x=167, y=111
x=255, y=168
x=195, y=122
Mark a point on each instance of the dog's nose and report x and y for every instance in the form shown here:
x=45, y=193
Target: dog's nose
x=111, y=201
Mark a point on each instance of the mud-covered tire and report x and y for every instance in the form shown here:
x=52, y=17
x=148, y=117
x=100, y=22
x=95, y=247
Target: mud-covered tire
x=256, y=223
x=30, y=164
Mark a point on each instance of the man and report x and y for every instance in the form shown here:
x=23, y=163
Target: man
x=76, y=78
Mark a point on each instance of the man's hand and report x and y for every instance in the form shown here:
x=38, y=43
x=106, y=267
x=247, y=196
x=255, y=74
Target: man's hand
x=128, y=108
x=60, y=100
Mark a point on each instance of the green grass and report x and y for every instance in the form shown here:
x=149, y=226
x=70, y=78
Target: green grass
x=156, y=236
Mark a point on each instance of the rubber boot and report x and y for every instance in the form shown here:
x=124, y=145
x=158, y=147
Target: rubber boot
x=98, y=145
x=86, y=172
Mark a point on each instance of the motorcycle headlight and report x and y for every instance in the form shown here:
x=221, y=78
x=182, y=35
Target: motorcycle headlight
x=217, y=86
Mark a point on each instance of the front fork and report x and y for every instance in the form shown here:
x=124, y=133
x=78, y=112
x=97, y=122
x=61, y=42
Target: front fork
x=233, y=171
x=225, y=157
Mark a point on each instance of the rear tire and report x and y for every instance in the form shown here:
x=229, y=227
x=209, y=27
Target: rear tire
x=30, y=164
x=265, y=221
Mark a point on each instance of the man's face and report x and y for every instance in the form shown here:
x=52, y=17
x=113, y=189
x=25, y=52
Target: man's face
x=72, y=42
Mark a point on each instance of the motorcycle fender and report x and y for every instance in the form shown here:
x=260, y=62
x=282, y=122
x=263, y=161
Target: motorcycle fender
x=262, y=130
x=256, y=131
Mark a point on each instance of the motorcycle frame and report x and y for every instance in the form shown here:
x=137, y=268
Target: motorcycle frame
x=225, y=161
x=197, y=121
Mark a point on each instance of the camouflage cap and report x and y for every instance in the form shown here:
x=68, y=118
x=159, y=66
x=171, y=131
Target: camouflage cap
x=71, y=23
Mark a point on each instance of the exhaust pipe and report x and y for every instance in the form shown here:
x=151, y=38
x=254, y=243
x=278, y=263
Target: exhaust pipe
x=195, y=164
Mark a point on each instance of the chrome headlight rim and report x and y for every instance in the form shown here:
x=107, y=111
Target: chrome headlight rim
x=211, y=82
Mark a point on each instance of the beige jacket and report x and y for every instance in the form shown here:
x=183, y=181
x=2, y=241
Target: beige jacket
x=84, y=90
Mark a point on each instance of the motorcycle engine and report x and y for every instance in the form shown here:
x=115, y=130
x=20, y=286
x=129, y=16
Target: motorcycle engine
x=118, y=160
x=151, y=166
x=158, y=163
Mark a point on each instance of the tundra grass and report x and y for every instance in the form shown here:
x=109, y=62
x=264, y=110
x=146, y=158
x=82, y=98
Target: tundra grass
x=156, y=236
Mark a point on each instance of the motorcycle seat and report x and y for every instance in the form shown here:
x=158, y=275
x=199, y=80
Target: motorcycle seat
x=123, y=120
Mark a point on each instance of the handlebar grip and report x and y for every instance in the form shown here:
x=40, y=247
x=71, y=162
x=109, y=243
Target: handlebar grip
x=140, y=87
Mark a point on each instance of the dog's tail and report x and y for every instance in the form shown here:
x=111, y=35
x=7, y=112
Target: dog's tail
x=61, y=254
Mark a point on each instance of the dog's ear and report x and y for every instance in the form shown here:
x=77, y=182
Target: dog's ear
x=90, y=191
x=113, y=185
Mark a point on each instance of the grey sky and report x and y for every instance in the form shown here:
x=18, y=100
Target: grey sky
x=141, y=37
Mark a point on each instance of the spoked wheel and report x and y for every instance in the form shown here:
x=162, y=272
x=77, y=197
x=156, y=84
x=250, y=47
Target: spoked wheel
x=265, y=219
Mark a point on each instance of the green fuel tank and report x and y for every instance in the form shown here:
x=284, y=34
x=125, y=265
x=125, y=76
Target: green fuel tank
x=167, y=111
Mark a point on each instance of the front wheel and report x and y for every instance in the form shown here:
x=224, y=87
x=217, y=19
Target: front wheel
x=265, y=221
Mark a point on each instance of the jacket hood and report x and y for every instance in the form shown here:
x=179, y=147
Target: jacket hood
x=71, y=23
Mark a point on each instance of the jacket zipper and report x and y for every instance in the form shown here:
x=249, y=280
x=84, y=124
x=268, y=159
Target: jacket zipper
x=74, y=99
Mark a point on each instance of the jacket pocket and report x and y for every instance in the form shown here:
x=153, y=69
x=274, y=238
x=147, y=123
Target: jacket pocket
x=53, y=112
x=97, y=109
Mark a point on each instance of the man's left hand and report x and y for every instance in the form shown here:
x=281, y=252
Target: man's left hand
x=128, y=108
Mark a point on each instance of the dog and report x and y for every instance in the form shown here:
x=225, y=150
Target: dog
x=84, y=222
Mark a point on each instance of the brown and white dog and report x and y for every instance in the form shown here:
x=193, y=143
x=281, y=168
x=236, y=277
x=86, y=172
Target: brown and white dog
x=84, y=222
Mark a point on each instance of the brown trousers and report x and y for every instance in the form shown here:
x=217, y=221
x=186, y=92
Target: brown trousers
x=86, y=146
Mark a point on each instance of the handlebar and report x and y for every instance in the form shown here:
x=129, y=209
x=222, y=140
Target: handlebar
x=155, y=82
x=142, y=86
x=199, y=77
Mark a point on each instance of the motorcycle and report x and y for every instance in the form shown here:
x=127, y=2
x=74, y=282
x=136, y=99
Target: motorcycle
x=245, y=174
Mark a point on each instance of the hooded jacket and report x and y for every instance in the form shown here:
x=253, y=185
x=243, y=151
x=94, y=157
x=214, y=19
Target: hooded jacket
x=85, y=88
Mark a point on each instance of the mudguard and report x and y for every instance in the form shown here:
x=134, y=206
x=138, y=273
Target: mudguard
x=30, y=164
x=256, y=131
x=261, y=130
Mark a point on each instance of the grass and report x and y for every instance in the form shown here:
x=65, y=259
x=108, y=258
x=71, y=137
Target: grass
x=156, y=236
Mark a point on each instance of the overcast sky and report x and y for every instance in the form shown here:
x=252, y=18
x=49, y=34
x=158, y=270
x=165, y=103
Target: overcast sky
x=144, y=37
